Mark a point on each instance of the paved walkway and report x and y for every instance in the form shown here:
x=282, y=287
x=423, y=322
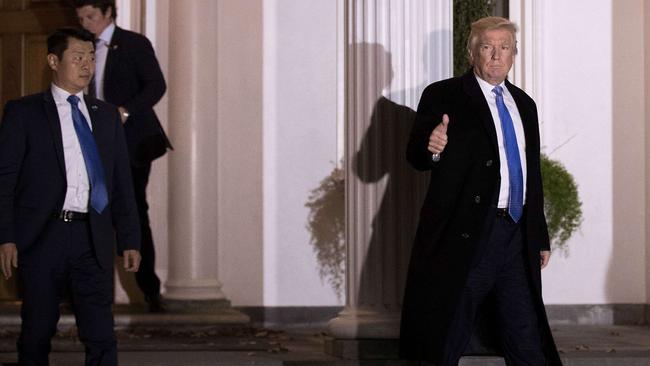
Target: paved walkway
x=579, y=345
x=223, y=337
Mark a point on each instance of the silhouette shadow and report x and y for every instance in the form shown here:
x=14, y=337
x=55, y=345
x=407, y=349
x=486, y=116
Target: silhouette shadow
x=381, y=160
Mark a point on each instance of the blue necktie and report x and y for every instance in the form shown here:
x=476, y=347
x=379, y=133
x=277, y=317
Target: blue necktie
x=516, y=199
x=98, y=193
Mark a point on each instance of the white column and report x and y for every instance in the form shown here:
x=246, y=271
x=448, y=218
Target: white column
x=526, y=73
x=192, y=165
x=129, y=14
x=394, y=49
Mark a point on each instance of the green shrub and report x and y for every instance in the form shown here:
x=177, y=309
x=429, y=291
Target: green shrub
x=465, y=13
x=562, y=204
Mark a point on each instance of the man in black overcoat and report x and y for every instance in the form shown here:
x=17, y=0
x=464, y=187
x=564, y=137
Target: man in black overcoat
x=129, y=77
x=482, y=233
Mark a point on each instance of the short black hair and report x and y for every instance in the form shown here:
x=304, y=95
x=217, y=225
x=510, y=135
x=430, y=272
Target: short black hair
x=102, y=5
x=57, y=42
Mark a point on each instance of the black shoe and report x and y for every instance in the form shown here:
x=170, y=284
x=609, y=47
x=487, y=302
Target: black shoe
x=155, y=303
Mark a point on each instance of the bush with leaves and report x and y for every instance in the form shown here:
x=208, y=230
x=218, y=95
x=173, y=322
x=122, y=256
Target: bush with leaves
x=562, y=204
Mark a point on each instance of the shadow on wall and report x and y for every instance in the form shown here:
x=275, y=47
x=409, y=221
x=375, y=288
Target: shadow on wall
x=326, y=223
x=381, y=160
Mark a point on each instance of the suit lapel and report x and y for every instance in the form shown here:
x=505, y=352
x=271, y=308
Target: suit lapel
x=92, y=111
x=527, y=120
x=55, y=128
x=479, y=104
x=111, y=53
x=97, y=127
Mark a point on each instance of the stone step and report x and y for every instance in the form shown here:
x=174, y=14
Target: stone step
x=136, y=315
x=206, y=358
x=221, y=337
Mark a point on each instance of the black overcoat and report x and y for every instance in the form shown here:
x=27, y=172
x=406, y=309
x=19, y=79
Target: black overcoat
x=133, y=79
x=459, y=205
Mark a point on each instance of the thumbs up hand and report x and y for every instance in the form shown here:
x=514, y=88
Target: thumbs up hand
x=438, y=138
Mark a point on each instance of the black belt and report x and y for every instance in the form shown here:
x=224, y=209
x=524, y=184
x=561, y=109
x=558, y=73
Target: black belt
x=502, y=212
x=68, y=216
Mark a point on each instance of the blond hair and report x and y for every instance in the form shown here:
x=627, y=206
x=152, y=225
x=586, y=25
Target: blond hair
x=485, y=24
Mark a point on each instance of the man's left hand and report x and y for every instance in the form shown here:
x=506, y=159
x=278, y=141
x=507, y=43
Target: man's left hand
x=544, y=257
x=131, y=260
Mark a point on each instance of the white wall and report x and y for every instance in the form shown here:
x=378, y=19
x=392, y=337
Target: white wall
x=300, y=146
x=592, y=69
x=627, y=266
x=599, y=137
x=240, y=150
x=646, y=69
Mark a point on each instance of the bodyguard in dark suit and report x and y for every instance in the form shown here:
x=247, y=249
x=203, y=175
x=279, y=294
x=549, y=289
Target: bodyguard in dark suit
x=129, y=77
x=66, y=200
x=482, y=237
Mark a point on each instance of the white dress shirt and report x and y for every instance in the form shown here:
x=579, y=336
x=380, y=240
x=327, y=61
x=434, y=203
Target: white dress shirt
x=101, y=52
x=504, y=191
x=77, y=192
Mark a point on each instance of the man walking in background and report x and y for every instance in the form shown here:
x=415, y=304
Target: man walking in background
x=128, y=76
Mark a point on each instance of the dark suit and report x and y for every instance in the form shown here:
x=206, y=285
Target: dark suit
x=133, y=80
x=53, y=253
x=458, y=216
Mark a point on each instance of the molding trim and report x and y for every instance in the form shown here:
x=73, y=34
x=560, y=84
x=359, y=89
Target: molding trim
x=290, y=315
x=599, y=314
x=574, y=314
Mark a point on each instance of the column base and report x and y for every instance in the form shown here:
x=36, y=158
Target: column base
x=196, y=289
x=365, y=324
x=196, y=306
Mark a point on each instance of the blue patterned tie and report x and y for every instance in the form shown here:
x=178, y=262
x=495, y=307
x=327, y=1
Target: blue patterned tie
x=98, y=193
x=516, y=199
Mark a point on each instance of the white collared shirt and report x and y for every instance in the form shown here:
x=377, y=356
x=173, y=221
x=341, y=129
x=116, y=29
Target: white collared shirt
x=509, y=101
x=77, y=192
x=101, y=53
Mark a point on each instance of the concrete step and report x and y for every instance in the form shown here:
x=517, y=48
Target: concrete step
x=206, y=358
x=127, y=316
x=226, y=339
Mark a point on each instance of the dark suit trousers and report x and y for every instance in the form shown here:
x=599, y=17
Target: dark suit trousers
x=502, y=270
x=146, y=277
x=63, y=257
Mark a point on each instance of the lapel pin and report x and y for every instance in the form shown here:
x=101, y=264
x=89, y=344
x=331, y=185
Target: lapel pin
x=113, y=46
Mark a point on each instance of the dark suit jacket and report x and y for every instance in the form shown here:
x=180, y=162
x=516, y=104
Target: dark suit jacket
x=133, y=80
x=459, y=207
x=33, y=179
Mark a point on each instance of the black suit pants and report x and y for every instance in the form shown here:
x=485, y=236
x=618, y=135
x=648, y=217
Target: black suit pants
x=146, y=277
x=64, y=257
x=501, y=270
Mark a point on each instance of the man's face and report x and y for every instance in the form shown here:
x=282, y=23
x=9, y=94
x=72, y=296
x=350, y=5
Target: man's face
x=76, y=67
x=494, y=55
x=93, y=20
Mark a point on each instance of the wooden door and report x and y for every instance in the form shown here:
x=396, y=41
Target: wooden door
x=24, y=26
